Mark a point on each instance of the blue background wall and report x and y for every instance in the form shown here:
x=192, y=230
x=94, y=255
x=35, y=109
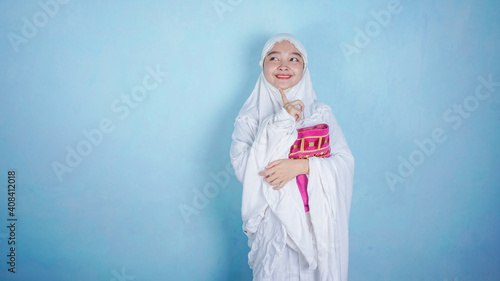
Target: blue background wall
x=153, y=199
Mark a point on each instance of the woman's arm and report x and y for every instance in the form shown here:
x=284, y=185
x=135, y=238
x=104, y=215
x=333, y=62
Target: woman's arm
x=245, y=130
x=253, y=148
x=279, y=172
x=263, y=139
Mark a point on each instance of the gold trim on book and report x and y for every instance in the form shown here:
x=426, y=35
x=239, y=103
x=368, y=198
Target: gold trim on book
x=310, y=137
x=308, y=151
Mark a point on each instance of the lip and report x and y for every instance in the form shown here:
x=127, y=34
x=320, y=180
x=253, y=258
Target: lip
x=283, y=76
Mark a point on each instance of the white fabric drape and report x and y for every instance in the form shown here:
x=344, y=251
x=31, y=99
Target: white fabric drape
x=274, y=220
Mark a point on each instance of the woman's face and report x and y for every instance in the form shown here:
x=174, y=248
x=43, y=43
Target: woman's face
x=283, y=65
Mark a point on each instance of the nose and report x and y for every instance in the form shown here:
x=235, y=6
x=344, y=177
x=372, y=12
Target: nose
x=283, y=66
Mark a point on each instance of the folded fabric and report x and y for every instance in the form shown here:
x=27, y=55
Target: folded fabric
x=311, y=141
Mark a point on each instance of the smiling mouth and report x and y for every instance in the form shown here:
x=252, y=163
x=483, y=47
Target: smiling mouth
x=283, y=76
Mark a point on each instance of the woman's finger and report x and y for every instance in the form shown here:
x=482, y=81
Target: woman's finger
x=276, y=182
x=279, y=186
x=295, y=113
x=283, y=96
x=273, y=180
x=272, y=164
x=299, y=103
x=299, y=115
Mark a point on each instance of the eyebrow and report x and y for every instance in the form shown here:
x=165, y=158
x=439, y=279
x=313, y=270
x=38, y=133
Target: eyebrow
x=276, y=52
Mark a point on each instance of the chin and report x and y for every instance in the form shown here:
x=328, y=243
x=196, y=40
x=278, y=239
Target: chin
x=288, y=86
x=282, y=85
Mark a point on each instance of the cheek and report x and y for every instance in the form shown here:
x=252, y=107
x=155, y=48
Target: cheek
x=299, y=72
x=266, y=69
x=268, y=73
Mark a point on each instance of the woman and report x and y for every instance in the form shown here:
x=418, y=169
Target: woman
x=288, y=243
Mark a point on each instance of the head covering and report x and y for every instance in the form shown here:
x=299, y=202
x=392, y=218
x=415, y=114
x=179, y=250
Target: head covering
x=266, y=99
x=279, y=38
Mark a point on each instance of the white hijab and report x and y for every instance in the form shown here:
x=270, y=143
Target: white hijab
x=266, y=99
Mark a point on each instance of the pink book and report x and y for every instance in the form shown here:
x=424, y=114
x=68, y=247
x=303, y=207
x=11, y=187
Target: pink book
x=312, y=141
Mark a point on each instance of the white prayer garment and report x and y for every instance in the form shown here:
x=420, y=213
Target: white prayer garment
x=286, y=242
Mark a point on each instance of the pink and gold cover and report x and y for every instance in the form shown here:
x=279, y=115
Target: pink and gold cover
x=312, y=141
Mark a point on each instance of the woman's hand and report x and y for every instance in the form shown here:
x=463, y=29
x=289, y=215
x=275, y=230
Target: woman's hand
x=280, y=172
x=290, y=106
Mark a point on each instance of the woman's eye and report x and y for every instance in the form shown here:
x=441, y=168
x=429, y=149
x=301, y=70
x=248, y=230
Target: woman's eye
x=294, y=59
x=273, y=58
